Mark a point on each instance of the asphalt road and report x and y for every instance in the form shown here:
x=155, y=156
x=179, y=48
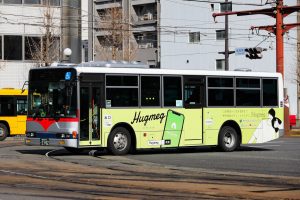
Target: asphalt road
x=267, y=171
x=280, y=157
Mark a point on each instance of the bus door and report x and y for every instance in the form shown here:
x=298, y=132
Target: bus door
x=194, y=101
x=90, y=95
x=21, y=102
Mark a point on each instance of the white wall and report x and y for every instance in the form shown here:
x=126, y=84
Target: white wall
x=178, y=18
x=21, y=20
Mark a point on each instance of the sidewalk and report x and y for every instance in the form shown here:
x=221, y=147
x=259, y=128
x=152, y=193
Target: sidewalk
x=294, y=132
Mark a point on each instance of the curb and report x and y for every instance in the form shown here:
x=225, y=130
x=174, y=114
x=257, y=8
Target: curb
x=293, y=133
x=15, y=138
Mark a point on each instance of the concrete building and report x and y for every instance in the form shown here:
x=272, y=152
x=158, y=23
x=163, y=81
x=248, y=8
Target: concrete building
x=28, y=27
x=22, y=27
x=183, y=35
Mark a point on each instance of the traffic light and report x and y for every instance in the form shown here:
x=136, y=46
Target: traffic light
x=254, y=53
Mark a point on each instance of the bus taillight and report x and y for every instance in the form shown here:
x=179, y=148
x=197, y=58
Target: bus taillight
x=74, y=134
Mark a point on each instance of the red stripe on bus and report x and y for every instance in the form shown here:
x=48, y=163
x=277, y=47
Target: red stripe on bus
x=47, y=122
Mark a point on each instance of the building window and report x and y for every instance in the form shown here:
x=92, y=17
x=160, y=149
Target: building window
x=13, y=47
x=12, y=1
x=52, y=2
x=226, y=7
x=32, y=48
x=220, y=34
x=212, y=7
x=220, y=64
x=150, y=91
x=172, y=91
x=32, y=1
x=194, y=37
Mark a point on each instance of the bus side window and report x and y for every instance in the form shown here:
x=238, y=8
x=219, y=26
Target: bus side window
x=194, y=91
x=21, y=106
x=7, y=106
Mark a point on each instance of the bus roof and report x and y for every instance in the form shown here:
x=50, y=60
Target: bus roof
x=113, y=67
x=12, y=92
x=172, y=72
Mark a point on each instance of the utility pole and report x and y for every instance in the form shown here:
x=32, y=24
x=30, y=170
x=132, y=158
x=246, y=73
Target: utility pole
x=298, y=64
x=226, y=39
x=90, y=31
x=71, y=28
x=278, y=12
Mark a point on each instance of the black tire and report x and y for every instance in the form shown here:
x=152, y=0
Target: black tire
x=74, y=150
x=3, y=131
x=119, y=141
x=228, y=139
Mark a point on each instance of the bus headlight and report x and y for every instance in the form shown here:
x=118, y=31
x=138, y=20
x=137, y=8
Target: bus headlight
x=30, y=134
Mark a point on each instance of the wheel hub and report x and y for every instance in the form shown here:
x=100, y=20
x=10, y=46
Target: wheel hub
x=1, y=132
x=120, y=141
x=229, y=140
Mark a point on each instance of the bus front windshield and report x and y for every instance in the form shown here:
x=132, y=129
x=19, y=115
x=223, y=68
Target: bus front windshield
x=51, y=97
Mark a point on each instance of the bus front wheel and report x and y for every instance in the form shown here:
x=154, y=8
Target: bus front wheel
x=3, y=132
x=228, y=139
x=119, y=141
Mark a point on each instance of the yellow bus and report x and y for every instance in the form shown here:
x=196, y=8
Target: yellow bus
x=124, y=107
x=13, y=111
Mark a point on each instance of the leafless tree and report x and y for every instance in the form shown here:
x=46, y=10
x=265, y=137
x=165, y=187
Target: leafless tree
x=45, y=50
x=116, y=36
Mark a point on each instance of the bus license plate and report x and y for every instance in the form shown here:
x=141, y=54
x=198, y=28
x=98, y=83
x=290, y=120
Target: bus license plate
x=44, y=142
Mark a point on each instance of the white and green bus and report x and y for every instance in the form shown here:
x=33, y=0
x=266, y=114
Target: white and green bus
x=124, y=106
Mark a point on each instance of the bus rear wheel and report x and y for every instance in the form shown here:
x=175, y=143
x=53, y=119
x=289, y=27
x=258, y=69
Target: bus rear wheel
x=228, y=139
x=119, y=141
x=3, y=132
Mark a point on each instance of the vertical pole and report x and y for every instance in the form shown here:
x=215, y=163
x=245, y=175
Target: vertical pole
x=280, y=59
x=91, y=19
x=298, y=64
x=226, y=41
x=279, y=39
x=71, y=28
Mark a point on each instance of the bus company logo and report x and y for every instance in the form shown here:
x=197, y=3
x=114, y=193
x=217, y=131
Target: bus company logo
x=138, y=118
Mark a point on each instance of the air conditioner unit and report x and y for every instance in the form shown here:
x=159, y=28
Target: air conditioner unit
x=148, y=16
x=149, y=45
x=142, y=46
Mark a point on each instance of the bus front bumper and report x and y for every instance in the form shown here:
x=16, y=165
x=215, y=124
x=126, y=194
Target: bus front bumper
x=51, y=142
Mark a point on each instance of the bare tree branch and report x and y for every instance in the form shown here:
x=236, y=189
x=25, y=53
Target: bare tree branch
x=47, y=49
x=116, y=36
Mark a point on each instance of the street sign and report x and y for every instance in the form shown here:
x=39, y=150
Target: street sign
x=240, y=51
